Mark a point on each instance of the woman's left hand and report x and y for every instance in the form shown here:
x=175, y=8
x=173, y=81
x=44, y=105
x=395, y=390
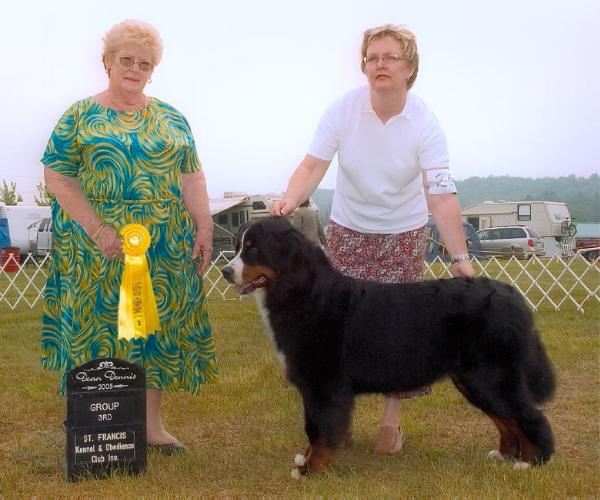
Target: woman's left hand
x=462, y=269
x=203, y=250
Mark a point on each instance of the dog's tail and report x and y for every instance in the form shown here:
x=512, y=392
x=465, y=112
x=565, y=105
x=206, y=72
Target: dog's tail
x=540, y=377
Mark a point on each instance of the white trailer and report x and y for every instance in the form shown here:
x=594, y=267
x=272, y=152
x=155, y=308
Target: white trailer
x=232, y=211
x=29, y=228
x=545, y=216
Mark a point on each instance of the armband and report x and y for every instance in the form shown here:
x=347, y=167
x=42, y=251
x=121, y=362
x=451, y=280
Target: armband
x=439, y=181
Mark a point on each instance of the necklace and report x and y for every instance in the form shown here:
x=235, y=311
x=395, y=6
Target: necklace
x=126, y=107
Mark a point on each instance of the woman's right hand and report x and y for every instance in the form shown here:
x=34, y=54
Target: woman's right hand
x=302, y=183
x=283, y=207
x=109, y=243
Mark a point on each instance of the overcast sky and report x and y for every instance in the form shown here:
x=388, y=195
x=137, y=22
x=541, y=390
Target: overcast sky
x=515, y=84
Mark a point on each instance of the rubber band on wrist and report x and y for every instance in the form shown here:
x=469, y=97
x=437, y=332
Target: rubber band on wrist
x=98, y=231
x=457, y=259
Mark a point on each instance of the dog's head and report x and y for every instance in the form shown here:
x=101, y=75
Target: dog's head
x=265, y=249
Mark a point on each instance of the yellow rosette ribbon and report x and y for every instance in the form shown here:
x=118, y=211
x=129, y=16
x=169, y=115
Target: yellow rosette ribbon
x=138, y=314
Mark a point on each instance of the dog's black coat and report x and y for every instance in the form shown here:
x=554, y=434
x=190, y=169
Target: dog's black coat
x=342, y=336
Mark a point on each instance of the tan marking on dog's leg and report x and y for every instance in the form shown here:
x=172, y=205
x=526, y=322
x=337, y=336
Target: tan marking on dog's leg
x=526, y=446
x=509, y=444
x=317, y=459
x=320, y=458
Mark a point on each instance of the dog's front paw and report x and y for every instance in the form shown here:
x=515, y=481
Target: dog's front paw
x=496, y=455
x=519, y=465
x=301, y=469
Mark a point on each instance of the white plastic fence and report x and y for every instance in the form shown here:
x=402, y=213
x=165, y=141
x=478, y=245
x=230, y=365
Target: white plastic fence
x=557, y=281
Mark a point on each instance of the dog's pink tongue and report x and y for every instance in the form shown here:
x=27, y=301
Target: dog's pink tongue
x=250, y=287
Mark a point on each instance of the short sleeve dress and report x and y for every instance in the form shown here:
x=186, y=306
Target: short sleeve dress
x=130, y=167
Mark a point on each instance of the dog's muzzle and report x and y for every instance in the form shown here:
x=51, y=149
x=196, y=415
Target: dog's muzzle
x=228, y=274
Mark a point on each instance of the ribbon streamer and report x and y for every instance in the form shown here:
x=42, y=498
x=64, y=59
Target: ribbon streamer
x=138, y=314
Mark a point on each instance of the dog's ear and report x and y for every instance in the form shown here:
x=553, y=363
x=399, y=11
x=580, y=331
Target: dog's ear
x=242, y=229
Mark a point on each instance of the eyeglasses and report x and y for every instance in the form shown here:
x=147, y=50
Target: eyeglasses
x=373, y=59
x=129, y=62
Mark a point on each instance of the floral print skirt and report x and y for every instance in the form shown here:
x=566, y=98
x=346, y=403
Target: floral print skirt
x=383, y=258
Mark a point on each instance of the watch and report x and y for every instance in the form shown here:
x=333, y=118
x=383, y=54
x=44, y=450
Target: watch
x=455, y=259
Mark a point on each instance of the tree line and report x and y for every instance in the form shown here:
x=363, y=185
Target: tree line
x=9, y=195
x=581, y=194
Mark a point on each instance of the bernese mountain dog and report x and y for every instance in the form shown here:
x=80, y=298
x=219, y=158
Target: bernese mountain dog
x=338, y=337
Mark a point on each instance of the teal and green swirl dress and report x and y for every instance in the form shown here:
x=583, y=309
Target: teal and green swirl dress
x=130, y=167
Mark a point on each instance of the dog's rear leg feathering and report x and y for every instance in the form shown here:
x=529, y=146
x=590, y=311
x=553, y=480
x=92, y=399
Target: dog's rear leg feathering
x=509, y=399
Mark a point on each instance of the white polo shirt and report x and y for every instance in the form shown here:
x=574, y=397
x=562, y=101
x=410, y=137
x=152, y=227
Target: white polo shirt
x=379, y=187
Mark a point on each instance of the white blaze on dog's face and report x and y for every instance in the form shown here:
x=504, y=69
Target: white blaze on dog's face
x=246, y=282
x=249, y=273
x=237, y=264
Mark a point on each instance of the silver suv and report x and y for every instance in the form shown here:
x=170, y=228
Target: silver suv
x=521, y=241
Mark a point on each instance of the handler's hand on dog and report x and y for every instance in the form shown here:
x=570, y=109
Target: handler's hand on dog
x=203, y=250
x=462, y=269
x=283, y=207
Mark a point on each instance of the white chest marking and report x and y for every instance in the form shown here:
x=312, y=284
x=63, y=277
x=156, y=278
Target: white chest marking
x=260, y=297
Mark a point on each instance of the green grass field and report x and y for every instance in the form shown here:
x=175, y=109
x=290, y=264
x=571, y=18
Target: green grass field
x=243, y=431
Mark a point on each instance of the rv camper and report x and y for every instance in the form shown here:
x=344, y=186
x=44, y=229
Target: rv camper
x=29, y=229
x=545, y=216
x=235, y=209
x=231, y=212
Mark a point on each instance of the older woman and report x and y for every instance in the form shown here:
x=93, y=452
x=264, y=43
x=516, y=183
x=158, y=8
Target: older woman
x=392, y=170
x=116, y=158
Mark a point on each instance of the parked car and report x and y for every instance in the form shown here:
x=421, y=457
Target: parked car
x=436, y=247
x=505, y=241
x=588, y=247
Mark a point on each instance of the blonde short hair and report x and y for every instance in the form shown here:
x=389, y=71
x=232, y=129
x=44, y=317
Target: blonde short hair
x=407, y=40
x=136, y=32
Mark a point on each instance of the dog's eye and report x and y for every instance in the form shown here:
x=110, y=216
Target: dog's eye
x=251, y=251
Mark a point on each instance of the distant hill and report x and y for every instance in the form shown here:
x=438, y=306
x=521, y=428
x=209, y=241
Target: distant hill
x=581, y=194
x=323, y=199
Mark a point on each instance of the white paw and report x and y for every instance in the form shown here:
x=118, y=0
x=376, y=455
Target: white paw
x=521, y=465
x=295, y=473
x=496, y=455
x=299, y=460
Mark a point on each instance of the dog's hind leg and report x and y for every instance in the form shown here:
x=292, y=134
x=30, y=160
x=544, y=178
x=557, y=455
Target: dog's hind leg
x=509, y=442
x=535, y=436
x=525, y=433
x=327, y=421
